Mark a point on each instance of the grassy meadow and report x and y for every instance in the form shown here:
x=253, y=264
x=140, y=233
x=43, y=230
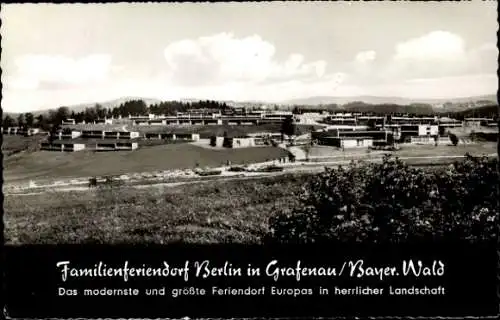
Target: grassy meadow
x=231, y=211
x=407, y=150
x=54, y=165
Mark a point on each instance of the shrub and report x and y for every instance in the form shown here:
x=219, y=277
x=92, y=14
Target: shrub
x=453, y=139
x=394, y=202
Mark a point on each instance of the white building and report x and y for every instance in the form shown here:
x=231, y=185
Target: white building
x=243, y=142
x=232, y=142
x=428, y=130
x=346, y=142
x=69, y=122
x=429, y=140
x=73, y=134
x=68, y=147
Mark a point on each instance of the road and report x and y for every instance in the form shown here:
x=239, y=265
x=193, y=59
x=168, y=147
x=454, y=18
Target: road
x=297, y=167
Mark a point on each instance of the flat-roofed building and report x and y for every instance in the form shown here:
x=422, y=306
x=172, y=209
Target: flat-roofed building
x=428, y=130
x=129, y=135
x=157, y=122
x=232, y=141
x=126, y=146
x=68, y=122
x=67, y=134
x=187, y=136
x=63, y=146
x=93, y=134
x=104, y=121
x=346, y=142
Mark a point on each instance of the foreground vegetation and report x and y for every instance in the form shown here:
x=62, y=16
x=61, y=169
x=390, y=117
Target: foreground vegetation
x=235, y=211
x=394, y=202
x=363, y=202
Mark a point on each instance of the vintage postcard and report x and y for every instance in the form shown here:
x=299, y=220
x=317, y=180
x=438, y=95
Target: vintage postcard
x=250, y=160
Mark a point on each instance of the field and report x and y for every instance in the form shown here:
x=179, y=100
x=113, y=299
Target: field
x=217, y=212
x=467, y=131
x=53, y=165
x=409, y=151
x=12, y=144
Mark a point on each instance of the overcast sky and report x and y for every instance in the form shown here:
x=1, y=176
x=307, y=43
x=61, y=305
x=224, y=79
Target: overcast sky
x=67, y=54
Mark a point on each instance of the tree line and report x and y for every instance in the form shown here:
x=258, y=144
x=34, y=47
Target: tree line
x=367, y=108
x=54, y=118
x=425, y=110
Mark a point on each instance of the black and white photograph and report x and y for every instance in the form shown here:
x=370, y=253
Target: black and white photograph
x=250, y=123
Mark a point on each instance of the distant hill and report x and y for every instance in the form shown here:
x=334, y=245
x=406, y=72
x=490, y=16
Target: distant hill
x=384, y=100
x=111, y=103
x=82, y=106
x=355, y=103
x=480, y=112
x=323, y=100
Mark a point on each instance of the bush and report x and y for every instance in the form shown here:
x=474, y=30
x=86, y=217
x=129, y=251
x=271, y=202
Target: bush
x=394, y=202
x=453, y=139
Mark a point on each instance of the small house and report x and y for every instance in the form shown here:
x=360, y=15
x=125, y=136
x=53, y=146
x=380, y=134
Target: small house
x=428, y=130
x=186, y=136
x=67, y=134
x=157, y=122
x=104, y=121
x=232, y=141
x=72, y=147
x=63, y=146
x=126, y=146
x=68, y=122
x=346, y=142
x=129, y=135
x=93, y=134
x=32, y=131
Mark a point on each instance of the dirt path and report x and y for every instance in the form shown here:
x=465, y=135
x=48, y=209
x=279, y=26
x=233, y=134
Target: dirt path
x=298, y=153
x=297, y=167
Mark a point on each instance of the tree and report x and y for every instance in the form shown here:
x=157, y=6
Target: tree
x=30, y=119
x=58, y=116
x=390, y=139
x=372, y=124
x=226, y=142
x=90, y=115
x=287, y=127
x=442, y=131
x=453, y=139
x=100, y=111
x=8, y=121
x=21, y=121
x=307, y=149
x=436, y=139
x=42, y=123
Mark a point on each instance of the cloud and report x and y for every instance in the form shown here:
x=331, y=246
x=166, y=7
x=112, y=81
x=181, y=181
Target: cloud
x=366, y=56
x=439, y=54
x=436, y=45
x=449, y=87
x=57, y=71
x=225, y=67
x=223, y=58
